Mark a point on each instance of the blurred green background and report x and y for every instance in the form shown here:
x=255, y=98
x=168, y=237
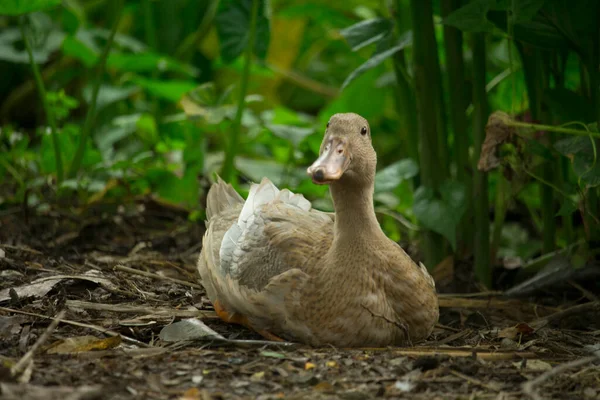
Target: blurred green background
x=107, y=101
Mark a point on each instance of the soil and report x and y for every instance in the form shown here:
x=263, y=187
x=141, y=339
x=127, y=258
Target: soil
x=108, y=343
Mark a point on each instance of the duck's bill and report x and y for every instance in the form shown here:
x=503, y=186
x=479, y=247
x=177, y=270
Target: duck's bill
x=330, y=166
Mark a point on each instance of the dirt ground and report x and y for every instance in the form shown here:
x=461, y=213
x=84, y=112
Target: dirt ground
x=121, y=276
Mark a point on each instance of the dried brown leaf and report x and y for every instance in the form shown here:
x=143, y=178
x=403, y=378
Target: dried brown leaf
x=496, y=132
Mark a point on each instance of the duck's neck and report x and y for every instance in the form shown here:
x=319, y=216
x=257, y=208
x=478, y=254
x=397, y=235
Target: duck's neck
x=355, y=218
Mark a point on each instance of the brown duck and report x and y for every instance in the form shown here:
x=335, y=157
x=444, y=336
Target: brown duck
x=285, y=270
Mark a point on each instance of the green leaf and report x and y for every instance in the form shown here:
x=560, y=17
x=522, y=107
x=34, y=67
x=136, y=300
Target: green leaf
x=20, y=7
x=441, y=215
x=379, y=57
x=233, y=28
x=525, y=10
x=588, y=169
x=11, y=46
x=171, y=90
x=147, y=129
x=573, y=145
x=293, y=134
x=568, y=105
x=366, y=32
x=472, y=17
x=391, y=176
x=77, y=49
x=584, y=158
x=567, y=208
x=147, y=62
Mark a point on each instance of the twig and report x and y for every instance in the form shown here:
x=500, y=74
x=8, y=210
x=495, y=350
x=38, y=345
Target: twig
x=80, y=324
x=398, y=325
x=472, y=380
x=541, y=322
x=156, y=276
x=41, y=340
x=152, y=311
x=529, y=386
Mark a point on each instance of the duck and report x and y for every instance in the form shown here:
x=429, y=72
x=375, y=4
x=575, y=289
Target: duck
x=290, y=272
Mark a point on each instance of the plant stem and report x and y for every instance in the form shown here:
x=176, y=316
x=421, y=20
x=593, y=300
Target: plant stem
x=228, y=166
x=499, y=213
x=481, y=241
x=453, y=41
x=594, y=74
x=551, y=128
x=424, y=53
x=535, y=81
x=91, y=113
x=186, y=49
x=49, y=114
x=405, y=96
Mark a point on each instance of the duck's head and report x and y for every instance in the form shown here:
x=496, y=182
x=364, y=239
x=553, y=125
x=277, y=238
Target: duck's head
x=346, y=152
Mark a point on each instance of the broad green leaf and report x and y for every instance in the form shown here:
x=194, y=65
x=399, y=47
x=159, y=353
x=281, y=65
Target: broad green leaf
x=361, y=96
x=366, y=32
x=567, y=208
x=77, y=49
x=472, y=17
x=441, y=215
x=525, y=10
x=588, y=169
x=584, y=157
x=147, y=62
x=109, y=94
x=567, y=105
x=573, y=145
x=379, y=57
x=20, y=7
x=171, y=90
x=11, y=46
x=293, y=134
x=147, y=129
x=391, y=176
x=203, y=102
x=233, y=28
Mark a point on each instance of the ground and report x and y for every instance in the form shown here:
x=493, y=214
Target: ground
x=122, y=274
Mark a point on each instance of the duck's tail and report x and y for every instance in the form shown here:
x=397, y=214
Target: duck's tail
x=221, y=196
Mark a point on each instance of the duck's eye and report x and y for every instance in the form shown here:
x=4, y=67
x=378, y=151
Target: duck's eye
x=363, y=130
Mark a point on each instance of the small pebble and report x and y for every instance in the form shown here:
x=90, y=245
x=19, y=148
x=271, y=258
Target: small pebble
x=507, y=343
x=589, y=393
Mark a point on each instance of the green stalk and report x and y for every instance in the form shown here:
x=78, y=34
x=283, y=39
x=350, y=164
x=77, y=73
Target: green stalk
x=49, y=114
x=481, y=241
x=91, y=113
x=405, y=97
x=551, y=128
x=185, y=51
x=502, y=194
x=534, y=80
x=228, y=165
x=593, y=202
x=150, y=34
x=453, y=42
x=424, y=54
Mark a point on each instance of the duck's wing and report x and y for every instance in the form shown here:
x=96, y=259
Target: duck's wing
x=261, y=251
x=411, y=293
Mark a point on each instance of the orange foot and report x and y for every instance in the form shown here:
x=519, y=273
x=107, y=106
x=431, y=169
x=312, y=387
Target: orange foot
x=239, y=319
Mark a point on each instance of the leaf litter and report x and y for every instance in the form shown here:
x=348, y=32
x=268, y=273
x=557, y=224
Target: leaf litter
x=137, y=324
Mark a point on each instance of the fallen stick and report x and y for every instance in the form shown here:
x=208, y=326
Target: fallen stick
x=156, y=276
x=41, y=340
x=529, y=386
x=152, y=311
x=80, y=324
x=561, y=314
